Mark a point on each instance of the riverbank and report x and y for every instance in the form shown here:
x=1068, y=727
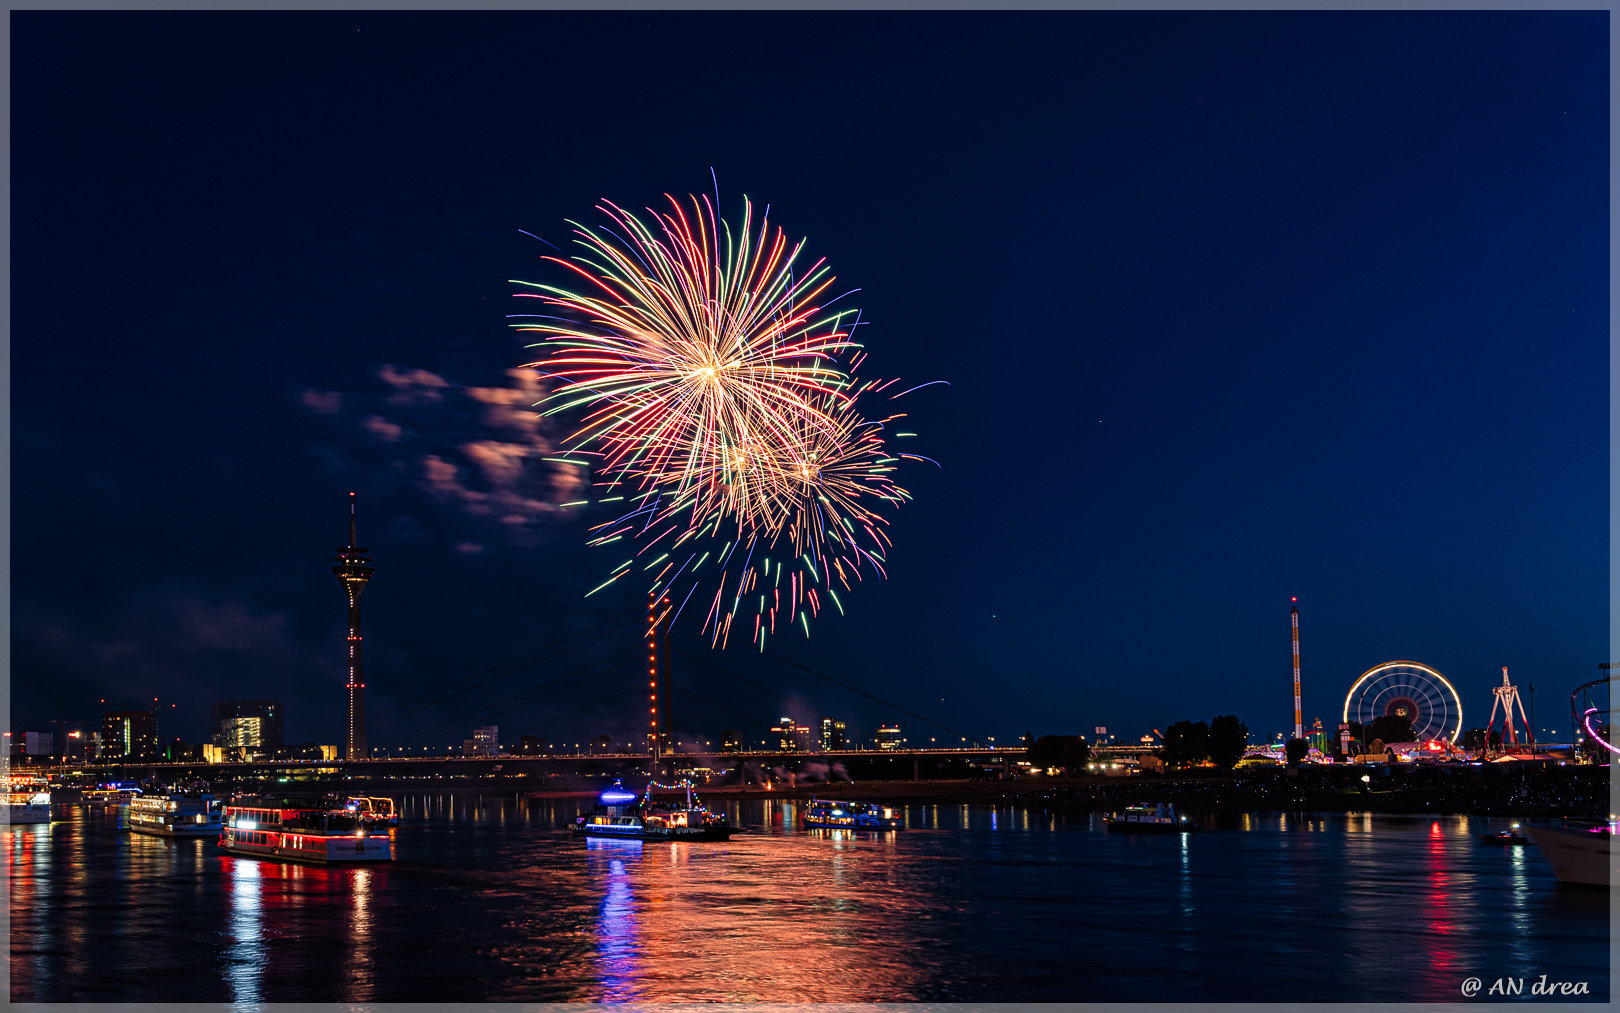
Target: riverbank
x=1518, y=791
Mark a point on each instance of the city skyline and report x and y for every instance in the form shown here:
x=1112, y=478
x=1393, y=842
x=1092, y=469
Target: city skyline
x=1228, y=321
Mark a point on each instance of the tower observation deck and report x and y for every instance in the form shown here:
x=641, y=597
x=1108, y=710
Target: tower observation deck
x=352, y=570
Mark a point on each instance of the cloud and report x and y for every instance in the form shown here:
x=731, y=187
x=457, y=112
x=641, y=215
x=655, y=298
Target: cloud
x=181, y=644
x=383, y=429
x=501, y=463
x=413, y=386
x=321, y=402
x=513, y=407
x=480, y=448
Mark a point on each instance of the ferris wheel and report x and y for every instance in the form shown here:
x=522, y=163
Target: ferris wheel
x=1410, y=690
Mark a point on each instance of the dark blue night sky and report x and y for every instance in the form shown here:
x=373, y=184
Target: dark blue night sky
x=1234, y=308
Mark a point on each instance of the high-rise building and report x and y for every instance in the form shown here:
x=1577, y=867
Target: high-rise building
x=832, y=734
x=792, y=735
x=889, y=737
x=256, y=723
x=129, y=735
x=485, y=742
x=353, y=570
x=30, y=743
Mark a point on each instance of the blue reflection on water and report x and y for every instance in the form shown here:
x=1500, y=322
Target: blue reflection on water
x=618, y=944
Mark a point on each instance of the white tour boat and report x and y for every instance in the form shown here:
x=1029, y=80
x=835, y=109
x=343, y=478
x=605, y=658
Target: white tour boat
x=180, y=814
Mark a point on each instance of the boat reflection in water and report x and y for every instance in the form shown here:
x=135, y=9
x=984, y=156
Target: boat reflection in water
x=617, y=938
x=271, y=905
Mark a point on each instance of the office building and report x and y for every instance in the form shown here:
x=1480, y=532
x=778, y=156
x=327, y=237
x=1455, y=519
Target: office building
x=258, y=724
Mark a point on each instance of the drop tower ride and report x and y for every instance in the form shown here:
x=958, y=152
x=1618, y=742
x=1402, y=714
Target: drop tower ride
x=1299, y=716
x=352, y=570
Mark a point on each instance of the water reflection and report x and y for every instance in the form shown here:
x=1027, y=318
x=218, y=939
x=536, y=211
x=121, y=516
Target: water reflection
x=362, y=974
x=1446, y=895
x=617, y=940
x=493, y=902
x=244, y=959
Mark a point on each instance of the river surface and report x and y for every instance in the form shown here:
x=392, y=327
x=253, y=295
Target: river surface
x=491, y=900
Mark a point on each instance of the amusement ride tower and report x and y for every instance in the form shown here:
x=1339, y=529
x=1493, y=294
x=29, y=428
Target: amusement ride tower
x=1507, y=695
x=352, y=570
x=1299, y=718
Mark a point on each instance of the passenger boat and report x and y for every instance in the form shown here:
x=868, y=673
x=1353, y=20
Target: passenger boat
x=1158, y=818
x=180, y=814
x=825, y=813
x=1579, y=855
x=28, y=799
x=110, y=796
x=620, y=813
x=306, y=829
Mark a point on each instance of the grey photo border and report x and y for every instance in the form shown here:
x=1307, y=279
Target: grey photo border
x=6, y=477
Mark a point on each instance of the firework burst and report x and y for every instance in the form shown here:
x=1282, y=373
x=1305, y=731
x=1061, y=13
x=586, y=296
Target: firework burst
x=717, y=395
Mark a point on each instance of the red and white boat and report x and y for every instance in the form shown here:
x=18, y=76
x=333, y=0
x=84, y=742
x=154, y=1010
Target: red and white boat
x=305, y=829
x=28, y=799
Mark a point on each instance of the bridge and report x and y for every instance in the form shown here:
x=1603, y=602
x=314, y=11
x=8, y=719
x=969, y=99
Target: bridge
x=537, y=772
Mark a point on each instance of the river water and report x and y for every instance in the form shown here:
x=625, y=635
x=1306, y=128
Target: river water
x=491, y=900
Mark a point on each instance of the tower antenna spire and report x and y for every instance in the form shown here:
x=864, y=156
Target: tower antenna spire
x=353, y=570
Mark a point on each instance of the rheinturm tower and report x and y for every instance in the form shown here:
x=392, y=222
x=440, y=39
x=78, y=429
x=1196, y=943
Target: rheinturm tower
x=353, y=571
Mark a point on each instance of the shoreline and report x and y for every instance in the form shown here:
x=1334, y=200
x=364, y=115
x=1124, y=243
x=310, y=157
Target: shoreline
x=1567, y=793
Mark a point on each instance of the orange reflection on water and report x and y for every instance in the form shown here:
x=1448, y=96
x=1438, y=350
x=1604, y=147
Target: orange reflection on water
x=737, y=922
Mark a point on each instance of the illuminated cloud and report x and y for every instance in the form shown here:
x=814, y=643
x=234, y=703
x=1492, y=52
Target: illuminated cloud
x=383, y=429
x=413, y=386
x=501, y=463
x=481, y=449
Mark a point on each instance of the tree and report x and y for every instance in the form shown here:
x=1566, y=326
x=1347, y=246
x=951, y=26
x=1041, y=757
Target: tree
x=1069, y=751
x=1391, y=728
x=1296, y=750
x=1186, y=743
x=1473, y=740
x=1228, y=737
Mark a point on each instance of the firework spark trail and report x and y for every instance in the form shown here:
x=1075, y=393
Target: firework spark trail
x=715, y=390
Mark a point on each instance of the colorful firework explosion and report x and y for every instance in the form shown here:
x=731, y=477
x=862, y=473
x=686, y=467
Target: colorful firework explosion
x=719, y=406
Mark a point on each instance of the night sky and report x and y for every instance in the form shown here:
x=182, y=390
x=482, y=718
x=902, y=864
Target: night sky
x=1233, y=307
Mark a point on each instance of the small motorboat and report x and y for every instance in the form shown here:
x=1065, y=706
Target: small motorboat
x=1509, y=836
x=1159, y=818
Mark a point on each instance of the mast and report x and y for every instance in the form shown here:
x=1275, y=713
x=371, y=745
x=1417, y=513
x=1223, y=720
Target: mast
x=353, y=570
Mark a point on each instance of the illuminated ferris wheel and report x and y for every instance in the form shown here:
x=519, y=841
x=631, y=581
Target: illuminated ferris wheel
x=1409, y=690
